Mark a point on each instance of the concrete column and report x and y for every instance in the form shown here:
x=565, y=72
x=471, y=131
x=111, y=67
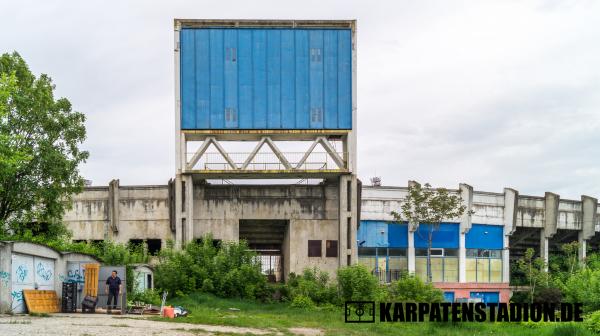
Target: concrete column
x=544, y=248
x=348, y=214
x=589, y=210
x=511, y=203
x=462, y=258
x=551, y=201
x=189, y=208
x=113, y=206
x=178, y=213
x=410, y=252
x=466, y=193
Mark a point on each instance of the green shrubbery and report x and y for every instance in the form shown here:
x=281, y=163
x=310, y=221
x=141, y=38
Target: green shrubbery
x=413, y=289
x=313, y=285
x=231, y=270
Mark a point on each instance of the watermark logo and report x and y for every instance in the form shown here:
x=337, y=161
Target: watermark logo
x=360, y=312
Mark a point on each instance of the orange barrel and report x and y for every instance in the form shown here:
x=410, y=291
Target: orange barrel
x=169, y=312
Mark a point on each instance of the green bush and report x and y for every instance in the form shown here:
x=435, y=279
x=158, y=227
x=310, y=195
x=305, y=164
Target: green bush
x=592, y=322
x=147, y=296
x=548, y=295
x=584, y=287
x=302, y=301
x=356, y=283
x=413, y=289
x=570, y=329
x=231, y=270
x=313, y=284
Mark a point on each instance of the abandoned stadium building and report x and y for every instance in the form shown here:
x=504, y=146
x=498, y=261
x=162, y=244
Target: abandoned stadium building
x=250, y=97
x=296, y=226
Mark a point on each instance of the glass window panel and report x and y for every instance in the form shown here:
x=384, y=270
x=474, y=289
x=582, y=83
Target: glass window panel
x=483, y=253
x=382, y=251
x=421, y=268
x=495, y=253
x=398, y=264
x=437, y=274
x=483, y=270
x=471, y=265
x=421, y=252
x=368, y=262
x=471, y=253
x=397, y=252
x=451, y=252
x=366, y=251
x=450, y=269
x=496, y=270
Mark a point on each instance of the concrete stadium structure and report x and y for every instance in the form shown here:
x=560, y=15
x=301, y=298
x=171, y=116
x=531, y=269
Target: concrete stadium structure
x=272, y=88
x=473, y=253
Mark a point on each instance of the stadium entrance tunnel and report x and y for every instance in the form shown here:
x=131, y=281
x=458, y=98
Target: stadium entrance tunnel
x=268, y=239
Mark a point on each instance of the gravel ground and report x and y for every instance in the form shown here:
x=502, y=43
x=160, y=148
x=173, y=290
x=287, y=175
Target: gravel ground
x=98, y=324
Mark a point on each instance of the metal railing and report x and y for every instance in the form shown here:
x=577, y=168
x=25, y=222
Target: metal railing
x=390, y=275
x=267, y=161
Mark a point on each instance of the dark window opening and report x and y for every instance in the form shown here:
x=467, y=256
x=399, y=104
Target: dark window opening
x=154, y=246
x=314, y=248
x=136, y=242
x=331, y=248
x=148, y=281
x=349, y=195
x=349, y=233
x=182, y=196
x=76, y=241
x=97, y=242
x=349, y=261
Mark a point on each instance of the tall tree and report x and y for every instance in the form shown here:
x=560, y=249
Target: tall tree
x=426, y=205
x=39, y=148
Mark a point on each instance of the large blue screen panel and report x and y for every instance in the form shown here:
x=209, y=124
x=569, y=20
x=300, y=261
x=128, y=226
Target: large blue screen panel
x=255, y=78
x=485, y=237
x=446, y=236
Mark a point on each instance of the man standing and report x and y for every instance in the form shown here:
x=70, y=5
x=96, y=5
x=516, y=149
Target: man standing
x=113, y=288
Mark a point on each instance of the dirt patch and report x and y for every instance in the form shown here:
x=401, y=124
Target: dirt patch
x=96, y=324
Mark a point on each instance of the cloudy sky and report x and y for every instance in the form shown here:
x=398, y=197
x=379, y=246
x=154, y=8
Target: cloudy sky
x=492, y=93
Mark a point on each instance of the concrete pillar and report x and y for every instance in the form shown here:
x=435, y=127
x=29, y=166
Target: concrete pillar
x=589, y=210
x=410, y=251
x=551, y=201
x=178, y=212
x=113, y=207
x=466, y=193
x=462, y=258
x=348, y=215
x=544, y=249
x=511, y=203
x=189, y=208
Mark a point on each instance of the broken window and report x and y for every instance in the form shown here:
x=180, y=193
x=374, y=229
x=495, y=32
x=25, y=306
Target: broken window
x=314, y=248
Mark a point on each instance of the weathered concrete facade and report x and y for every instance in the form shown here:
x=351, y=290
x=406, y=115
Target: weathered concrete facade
x=120, y=213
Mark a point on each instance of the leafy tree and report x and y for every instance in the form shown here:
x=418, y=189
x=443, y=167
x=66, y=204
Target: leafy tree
x=356, y=283
x=426, y=205
x=413, y=289
x=39, y=148
x=534, y=270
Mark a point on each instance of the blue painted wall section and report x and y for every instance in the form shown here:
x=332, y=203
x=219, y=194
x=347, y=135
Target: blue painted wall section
x=246, y=78
x=485, y=237
x=446, y=236
x=382, y=234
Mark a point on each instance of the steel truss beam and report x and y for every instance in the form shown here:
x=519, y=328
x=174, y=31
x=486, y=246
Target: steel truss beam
x=337, y=159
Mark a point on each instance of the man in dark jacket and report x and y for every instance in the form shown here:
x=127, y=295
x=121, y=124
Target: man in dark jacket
x=113, y=287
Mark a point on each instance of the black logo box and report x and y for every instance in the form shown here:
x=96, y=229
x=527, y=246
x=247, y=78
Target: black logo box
x=359, y=312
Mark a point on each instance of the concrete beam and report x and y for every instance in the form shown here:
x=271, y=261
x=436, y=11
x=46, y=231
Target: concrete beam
x=113, y=205
x=511, y=204
x=551, y=201
x=589, y=209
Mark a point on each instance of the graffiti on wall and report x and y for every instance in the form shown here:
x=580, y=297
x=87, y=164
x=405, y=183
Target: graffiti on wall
x=22, y=272
x=75, y=276
x=43, y=272
x=4, y=278
x=17, y=296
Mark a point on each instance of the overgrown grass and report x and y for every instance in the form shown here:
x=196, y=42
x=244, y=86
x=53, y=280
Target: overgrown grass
x=208, y=309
